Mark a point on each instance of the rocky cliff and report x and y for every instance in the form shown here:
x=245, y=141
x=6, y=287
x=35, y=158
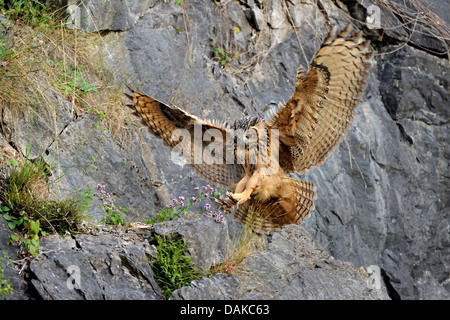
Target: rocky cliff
x=382, y=195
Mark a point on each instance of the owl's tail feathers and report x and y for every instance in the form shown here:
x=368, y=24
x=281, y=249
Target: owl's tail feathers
x=259, y=215
x=275, y=213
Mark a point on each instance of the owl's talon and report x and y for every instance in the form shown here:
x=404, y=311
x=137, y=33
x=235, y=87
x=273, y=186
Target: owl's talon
x=227, y=204
x=227, y=200
x=233, y=196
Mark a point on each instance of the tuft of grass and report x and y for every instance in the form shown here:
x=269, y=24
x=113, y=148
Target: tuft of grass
x=24, y=189
x=172, y=268
x=30, y=210
x=39, y=63
x=33, y=13
x=244, y=244
x=24, y=184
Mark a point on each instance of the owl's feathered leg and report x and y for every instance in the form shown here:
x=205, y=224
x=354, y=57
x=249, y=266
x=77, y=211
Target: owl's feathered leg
x=250, y=186
x=240, y=186
x=243, y=190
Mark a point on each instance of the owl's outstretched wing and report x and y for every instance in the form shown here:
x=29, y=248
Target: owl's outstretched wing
x=313, y=121
x=192, y=137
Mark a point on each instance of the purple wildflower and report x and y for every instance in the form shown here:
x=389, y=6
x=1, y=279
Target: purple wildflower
x=207, y=206
x=196, y=188
x=100, y=186
x=3, y=63
x=219, y=217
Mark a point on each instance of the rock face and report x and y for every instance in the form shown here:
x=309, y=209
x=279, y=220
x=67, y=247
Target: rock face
x=394, y=162
x=93, y=267
x=207, y=240
x=382, y=195
x=112, y=265
x=292, y=267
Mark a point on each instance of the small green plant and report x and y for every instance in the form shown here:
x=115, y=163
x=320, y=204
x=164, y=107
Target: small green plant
x=33, y=231
x=85, y=199
x=73, y=83
x=5, y=286
x=172, y=268
x=114, y=215
x=180, y=207
x=222, y=55
x=12, y=162
x=100, y=114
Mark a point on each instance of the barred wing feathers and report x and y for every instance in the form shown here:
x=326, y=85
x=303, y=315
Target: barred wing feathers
x=164, y=121
x=318, y=114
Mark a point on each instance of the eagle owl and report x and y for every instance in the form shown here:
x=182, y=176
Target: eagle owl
x=294, y=136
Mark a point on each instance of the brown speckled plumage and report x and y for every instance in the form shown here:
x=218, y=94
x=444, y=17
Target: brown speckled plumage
x=310, y=125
